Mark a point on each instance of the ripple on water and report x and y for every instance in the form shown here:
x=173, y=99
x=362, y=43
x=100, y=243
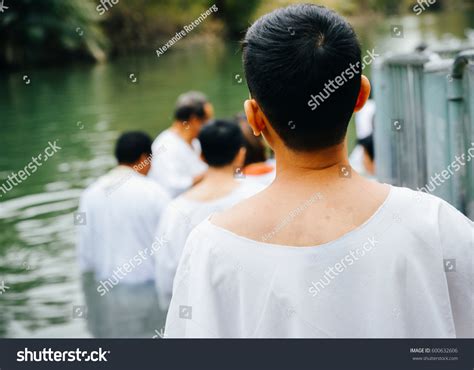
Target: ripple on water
x=20, y=207
x=39, y=263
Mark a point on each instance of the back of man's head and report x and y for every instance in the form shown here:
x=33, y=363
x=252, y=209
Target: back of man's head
x=221, y=142
x=192, y=103
x=292, y=57
x=131, y=146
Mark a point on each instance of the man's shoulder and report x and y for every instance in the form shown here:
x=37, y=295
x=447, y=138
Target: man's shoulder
x=203, y=238
x=166, y=141
x=204, y=231
x=413, y=201
x=146, y=189
x=162, y=143
x=239, y=216
x=178, y=207
x=162, y=135
x=422, y=211
x=92, y=190
x=427, y=214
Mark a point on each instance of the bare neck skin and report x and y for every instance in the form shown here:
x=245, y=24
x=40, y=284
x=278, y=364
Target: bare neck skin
x=217, y=183
x=320, y=165
x=141, y=166
x=331, y=200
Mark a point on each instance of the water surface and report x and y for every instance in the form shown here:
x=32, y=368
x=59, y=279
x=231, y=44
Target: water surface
x=84, y=108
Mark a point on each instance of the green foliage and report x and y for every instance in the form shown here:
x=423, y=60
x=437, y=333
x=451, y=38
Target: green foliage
x=43, y=30
x=142, y=24
x=236, y=15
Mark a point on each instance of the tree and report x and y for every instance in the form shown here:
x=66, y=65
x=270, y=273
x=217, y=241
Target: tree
x=39, y=31
x=236, y=15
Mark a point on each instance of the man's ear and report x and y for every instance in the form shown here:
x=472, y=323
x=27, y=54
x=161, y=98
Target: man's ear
x=209, y=111
x=364, y=93
x=255, y=117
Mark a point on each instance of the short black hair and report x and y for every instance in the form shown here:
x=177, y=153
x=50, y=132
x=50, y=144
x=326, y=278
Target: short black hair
x=221, y=141
x=368, y=144
x=131, y=145
x=190, y=104
x=289, y=56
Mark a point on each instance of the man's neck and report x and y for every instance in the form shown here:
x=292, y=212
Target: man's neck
x=329, y=199
x=219, y=175
x=131, y=167
x=316, y=167
x=183, y=132
x=217, y=183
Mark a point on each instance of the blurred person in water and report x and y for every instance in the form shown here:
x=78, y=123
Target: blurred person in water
x=177, y=165
x=127, y=311
x=119, y=214
x=223, y=150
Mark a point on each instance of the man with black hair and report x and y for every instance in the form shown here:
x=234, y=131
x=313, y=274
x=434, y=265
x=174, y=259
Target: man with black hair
x=176, y=151
x=120, y=213
x=223, y=151
x=321, y=252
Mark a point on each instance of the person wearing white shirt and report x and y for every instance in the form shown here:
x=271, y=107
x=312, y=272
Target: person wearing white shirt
x=223, y=150
x=322, y=252
x=368, y=156
x=119, y=214
x=126, y=311
x=176, y=163
x=256, y=167
x=364, y=121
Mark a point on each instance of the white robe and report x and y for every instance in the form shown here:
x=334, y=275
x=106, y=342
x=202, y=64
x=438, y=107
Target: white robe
x=405, y=273
x=122, y=210
x=175, y=164
x=364, y=121
x=127, y=311
x=178, y=220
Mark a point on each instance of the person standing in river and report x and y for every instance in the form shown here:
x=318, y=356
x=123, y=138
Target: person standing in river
x=176, y=163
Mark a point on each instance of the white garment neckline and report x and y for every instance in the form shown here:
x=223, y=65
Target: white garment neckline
x=344, y=238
